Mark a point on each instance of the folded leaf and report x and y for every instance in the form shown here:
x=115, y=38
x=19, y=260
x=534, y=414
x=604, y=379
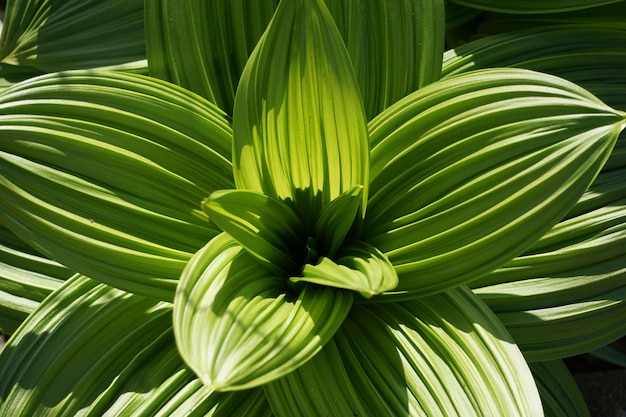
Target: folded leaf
x=494, y=159
x=435, y=356
x=94, y=350
x=336, y=220
x=266, y=227
x=106, y=172
x=73, y=34
x=299, y=126
x=237, y=326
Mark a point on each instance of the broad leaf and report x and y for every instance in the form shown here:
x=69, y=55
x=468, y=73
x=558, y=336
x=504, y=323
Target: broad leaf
x=116, y=165
x=299, y=125
x=94, y=350
x=57, y=35
x=266, y=227
x=237, y=326
x=440, y=355
x=533, y=6
x=469, y=172
x=559, y=393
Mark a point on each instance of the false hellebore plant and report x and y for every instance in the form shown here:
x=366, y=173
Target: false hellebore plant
x=331, y=256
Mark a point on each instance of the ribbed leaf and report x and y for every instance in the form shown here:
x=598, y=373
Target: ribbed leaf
x=440, y=355
x=560, y=395
x=494, y=159
x=115, y=165
x=237, y=326
x=204, y=45
x=94, y=350
x=73, y=34
x=336, y=219
x=299, y=126
x=359, y=267
x=266, y=227
x=533, y=6
x=26, y=278
x=395, y=46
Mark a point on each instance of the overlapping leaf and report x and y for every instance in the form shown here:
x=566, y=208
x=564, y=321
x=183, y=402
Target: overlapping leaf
x=238, y=326
x=559, y=393
x=94, y=350
x=105, y=173
x=441, y=355
x=533, y=6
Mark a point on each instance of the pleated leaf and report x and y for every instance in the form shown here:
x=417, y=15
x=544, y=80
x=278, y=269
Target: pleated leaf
x=471, y=171
x=105, y=173
x=559, y=393
x=440, y=355
x=395, y=46
x=266, y=227
x=299, y=125
x=74, y=34
x=26, y=278
x=533, y=6
x=94, y=350
x=204, y=46
x=237, y=326
x=336, y=219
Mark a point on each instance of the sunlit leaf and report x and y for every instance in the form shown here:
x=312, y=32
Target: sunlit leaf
x=495, y=158
x=299, y=126
x=238, y=326
x=440, y=355
x=105, y=173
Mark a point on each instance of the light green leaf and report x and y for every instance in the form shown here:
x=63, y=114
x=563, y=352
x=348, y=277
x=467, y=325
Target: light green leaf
x=237, y=326
x=470, y=171
x=116, y=165
x=395, y=46
x=336, y=220
x=266, y=227
x=204, y=45
x=533, y=6
x=440, y=355
x=559, y=393
x=299, y=126
x=73, y=34
x=26, y=278
x=94, y=350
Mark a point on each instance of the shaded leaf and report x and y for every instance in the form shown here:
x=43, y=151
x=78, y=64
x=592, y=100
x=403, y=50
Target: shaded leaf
x=560, y=395
x=237, y=326
x=336, y=219
x=533, y=6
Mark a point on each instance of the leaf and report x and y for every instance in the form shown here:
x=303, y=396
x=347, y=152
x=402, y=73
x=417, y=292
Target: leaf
x=299, y=126
x=26, y=278
x=204, y=46
x=336, y=219
x=116, y=165
x=237, y=326
x=92, y=350
x=395, y=46
x=266, y=227
x=533, y=6
x=73, y=34
x=469, y=172
x=440, y=355
x=560, y=395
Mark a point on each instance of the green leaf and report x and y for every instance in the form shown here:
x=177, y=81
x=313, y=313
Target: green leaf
x=336, y=220
x=94, y=350
x=533, y=6
x=495, y=158
x=73, y=34
x=116, y=165
x=299, y=126
x=560, y=395
x=395, y=46
x=266, y=227
x=237, y=326
x=440, y=355
x=204, y=46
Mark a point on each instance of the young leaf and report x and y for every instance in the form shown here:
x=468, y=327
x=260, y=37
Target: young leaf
x=266, y=227
x=494, y=159
x=238, y=327
x=336, y=219
x=299, y=126
x=439, y=355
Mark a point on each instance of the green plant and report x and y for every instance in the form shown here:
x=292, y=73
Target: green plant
x=287, y=216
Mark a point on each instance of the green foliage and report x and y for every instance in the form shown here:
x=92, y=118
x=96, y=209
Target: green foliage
x=307, y=208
